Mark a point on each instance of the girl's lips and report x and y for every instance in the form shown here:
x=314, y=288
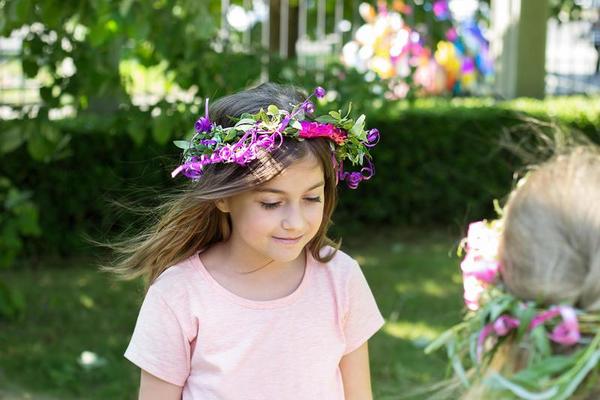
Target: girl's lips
x=287, y=240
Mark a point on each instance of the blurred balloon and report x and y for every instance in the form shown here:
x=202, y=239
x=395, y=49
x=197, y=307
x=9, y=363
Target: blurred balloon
x=396, y=52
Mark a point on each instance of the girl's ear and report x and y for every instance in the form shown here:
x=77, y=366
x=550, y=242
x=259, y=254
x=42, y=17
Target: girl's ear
x=222, y=205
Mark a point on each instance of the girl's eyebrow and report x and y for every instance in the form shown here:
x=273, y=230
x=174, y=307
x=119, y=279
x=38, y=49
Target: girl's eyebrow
x=270, y=190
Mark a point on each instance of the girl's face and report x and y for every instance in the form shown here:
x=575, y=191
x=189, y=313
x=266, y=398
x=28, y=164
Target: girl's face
x=276, y=220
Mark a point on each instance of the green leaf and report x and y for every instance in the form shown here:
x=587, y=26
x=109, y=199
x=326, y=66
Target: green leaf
x=540, y=340
x=125, y=6
x=326, y=119
x=136, y=131
x=11, y=139
x=296, y=125
x=245, y=121
x=347, y=113
x=28, y=220
x=23, y=8
x=273, y=110
x=348, y=125
x=40, y=148
x=182, y=144
x=231, y=134
x=335, y=114
x=358, y=128
x=30, y=67
x=547, y=367
x=161, y=129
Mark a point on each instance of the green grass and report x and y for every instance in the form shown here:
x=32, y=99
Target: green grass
x=72, y=308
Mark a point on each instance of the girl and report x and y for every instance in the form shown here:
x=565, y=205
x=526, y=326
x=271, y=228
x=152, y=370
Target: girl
x=248, y=297
x=532, y=284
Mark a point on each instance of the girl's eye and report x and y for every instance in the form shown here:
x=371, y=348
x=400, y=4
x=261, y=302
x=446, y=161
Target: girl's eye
x=314, y=199
x=269, y=206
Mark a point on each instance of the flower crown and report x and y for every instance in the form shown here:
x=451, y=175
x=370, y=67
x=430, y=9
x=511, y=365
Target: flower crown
x=494, y=315
x=264, y=131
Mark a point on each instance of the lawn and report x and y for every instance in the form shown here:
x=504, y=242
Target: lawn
x=72, y=308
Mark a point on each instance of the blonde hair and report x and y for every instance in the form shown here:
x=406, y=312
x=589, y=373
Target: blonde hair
x=550, y=248
x=189, y=220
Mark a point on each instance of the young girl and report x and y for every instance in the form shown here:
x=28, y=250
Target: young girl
x=532, y=285
x=248, y=297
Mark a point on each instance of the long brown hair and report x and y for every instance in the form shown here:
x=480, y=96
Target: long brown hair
x=189, y=221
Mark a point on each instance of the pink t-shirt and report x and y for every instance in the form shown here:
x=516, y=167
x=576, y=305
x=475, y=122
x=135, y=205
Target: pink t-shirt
x=194, y=333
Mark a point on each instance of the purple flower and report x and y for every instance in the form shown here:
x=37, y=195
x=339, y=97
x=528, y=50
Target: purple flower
x=354, y=179
x=203, y=125
x=372, y=138
x=320, y=92
x=208, y=142
x=308, y=107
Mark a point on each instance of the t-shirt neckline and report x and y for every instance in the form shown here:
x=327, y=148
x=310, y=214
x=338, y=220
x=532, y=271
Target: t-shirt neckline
x=261, y=304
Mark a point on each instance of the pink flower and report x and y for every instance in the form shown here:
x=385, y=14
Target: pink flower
x=505, y=324
x=501, y=327
x=473, y=289
x=316, y=129
x=483, y=238
x=567, y=332
x=480, y=267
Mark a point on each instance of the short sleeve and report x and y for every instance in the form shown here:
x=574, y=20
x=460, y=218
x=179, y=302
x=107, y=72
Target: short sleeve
x=158, y=344
x=363, y=318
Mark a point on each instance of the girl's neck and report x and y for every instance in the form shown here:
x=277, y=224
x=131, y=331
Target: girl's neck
x=240, y=259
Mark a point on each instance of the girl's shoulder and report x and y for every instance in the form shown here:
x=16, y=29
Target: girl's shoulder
x=175, y=277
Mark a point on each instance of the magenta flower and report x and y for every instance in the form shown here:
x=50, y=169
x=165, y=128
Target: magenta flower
x=316, y=129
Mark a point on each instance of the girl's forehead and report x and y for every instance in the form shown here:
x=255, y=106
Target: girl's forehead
x=302, y=175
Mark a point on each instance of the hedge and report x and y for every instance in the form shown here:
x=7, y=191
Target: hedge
x=439, y=162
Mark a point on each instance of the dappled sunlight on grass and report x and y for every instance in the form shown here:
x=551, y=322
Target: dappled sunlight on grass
x=83, y=281
x=86, y=301
x=429, y=287
x=416, y=283
x=411, y=330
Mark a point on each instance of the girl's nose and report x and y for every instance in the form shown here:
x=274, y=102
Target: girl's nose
x=293, y=220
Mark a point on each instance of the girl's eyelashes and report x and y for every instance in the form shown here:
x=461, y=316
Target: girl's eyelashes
x=270, y=206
